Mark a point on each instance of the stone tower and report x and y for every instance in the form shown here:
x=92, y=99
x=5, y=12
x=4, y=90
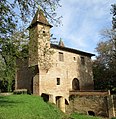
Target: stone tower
x=39, y=32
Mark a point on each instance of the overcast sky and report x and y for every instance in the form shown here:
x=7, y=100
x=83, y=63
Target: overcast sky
x=82, y=22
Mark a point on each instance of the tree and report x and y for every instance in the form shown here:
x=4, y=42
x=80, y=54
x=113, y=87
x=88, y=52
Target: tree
x=113, y=11
x=22, y=10
x=104, y=67
x=12, y=42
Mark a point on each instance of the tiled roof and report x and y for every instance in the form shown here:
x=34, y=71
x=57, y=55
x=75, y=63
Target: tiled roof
x=39, y=18
x=71, y=50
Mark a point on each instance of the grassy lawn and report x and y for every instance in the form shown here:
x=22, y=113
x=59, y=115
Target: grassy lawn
x=32, y=107
x=27, y=107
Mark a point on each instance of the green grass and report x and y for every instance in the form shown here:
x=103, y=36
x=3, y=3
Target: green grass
x=32, y=107
x=81, y=116
x=27, y=107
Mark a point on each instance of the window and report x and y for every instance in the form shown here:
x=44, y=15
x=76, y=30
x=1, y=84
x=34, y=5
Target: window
x=61, y=56
x=43, y=31
x=58, y=81
x=74, y=58
x=82, y=60
x=75, y=84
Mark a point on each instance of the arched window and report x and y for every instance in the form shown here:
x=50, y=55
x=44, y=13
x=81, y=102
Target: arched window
x=75, y=84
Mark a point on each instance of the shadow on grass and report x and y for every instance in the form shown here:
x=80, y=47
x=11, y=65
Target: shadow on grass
x=5, y=101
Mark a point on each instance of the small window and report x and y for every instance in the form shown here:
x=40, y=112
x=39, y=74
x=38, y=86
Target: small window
x=61, y=56
x=82, y=60
x=74, y=58
x=43, y=31
x=58, y=81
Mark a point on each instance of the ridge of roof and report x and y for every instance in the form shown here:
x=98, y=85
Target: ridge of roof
x=71, y=50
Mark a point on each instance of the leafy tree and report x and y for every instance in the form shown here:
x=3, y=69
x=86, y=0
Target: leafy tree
x=104, y=67
x=113, y=10
x=12, y=50
x=13, y=43
x=16, y=11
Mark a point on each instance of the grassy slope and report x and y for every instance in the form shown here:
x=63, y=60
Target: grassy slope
x=31, y=107
x=27, y=107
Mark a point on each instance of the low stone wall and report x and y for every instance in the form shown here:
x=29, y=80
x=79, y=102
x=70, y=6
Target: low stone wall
x=91, y=92
x=5, y=94
x=91, y=103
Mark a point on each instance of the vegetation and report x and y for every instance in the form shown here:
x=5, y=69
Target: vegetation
x=104, y=67
x=81, y=116
x=27, y=107
x=32, y=107
x=15, y=17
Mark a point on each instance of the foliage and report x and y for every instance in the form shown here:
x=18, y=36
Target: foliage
x=27, y=107
x=16, y=14
x=12, y=49
x=113, y=10
x=15, y=11
x=44, y=57
x=104, y=67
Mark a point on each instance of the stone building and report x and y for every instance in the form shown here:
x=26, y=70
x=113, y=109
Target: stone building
x=53, y=71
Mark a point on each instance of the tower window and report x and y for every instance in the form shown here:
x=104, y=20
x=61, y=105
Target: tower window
x=61, y=56
x=43, y=31
x=58, y=81
x=74, y=58
x=82, y=60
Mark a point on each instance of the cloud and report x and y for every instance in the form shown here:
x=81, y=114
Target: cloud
x=82, y=22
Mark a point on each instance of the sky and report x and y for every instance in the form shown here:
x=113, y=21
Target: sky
x=82, y=23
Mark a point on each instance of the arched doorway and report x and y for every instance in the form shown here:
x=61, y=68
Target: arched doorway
x=58, y=101
x=75, y=84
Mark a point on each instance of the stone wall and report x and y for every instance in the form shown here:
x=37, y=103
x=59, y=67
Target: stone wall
x=25, y=75
x=114, y=100
x=66, y=70
x=39, y=40
x=92, y=103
